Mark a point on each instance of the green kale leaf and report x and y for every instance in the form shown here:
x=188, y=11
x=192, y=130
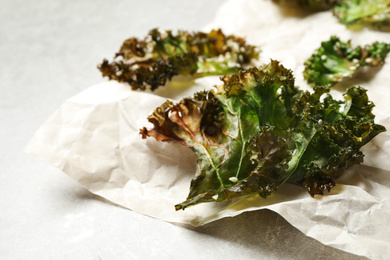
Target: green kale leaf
x=153, y=61
x=374, y=13
x=336, y=60
x=258, y=131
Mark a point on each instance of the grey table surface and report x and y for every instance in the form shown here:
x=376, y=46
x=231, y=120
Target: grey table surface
x=48, y=52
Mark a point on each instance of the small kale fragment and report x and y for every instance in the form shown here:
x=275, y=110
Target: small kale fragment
x=258, y=131
x=356, y=13
x=154, y=60
x=336, y=60
x=309, y=4
x=363, y=12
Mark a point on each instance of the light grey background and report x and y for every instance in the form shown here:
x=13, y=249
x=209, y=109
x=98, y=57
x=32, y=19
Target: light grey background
x=48, y=52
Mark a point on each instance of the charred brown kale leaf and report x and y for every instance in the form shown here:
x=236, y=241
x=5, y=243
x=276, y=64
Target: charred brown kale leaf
x=258, y=131
x=154, y=60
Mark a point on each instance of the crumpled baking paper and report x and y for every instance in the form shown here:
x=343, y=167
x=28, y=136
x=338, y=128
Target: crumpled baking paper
x=94, y=138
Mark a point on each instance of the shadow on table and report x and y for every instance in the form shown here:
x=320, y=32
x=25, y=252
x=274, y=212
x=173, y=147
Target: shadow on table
x=265, y=230
x=262, y=231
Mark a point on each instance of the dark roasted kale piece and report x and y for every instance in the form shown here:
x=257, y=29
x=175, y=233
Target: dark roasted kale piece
x=153, y=61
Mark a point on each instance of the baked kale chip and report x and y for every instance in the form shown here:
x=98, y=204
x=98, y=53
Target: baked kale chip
x=258, y=131
x=336, y=60
x=153, y=61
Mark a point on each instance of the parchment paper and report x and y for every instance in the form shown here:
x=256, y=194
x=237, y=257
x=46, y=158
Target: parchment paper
x=94, y=138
